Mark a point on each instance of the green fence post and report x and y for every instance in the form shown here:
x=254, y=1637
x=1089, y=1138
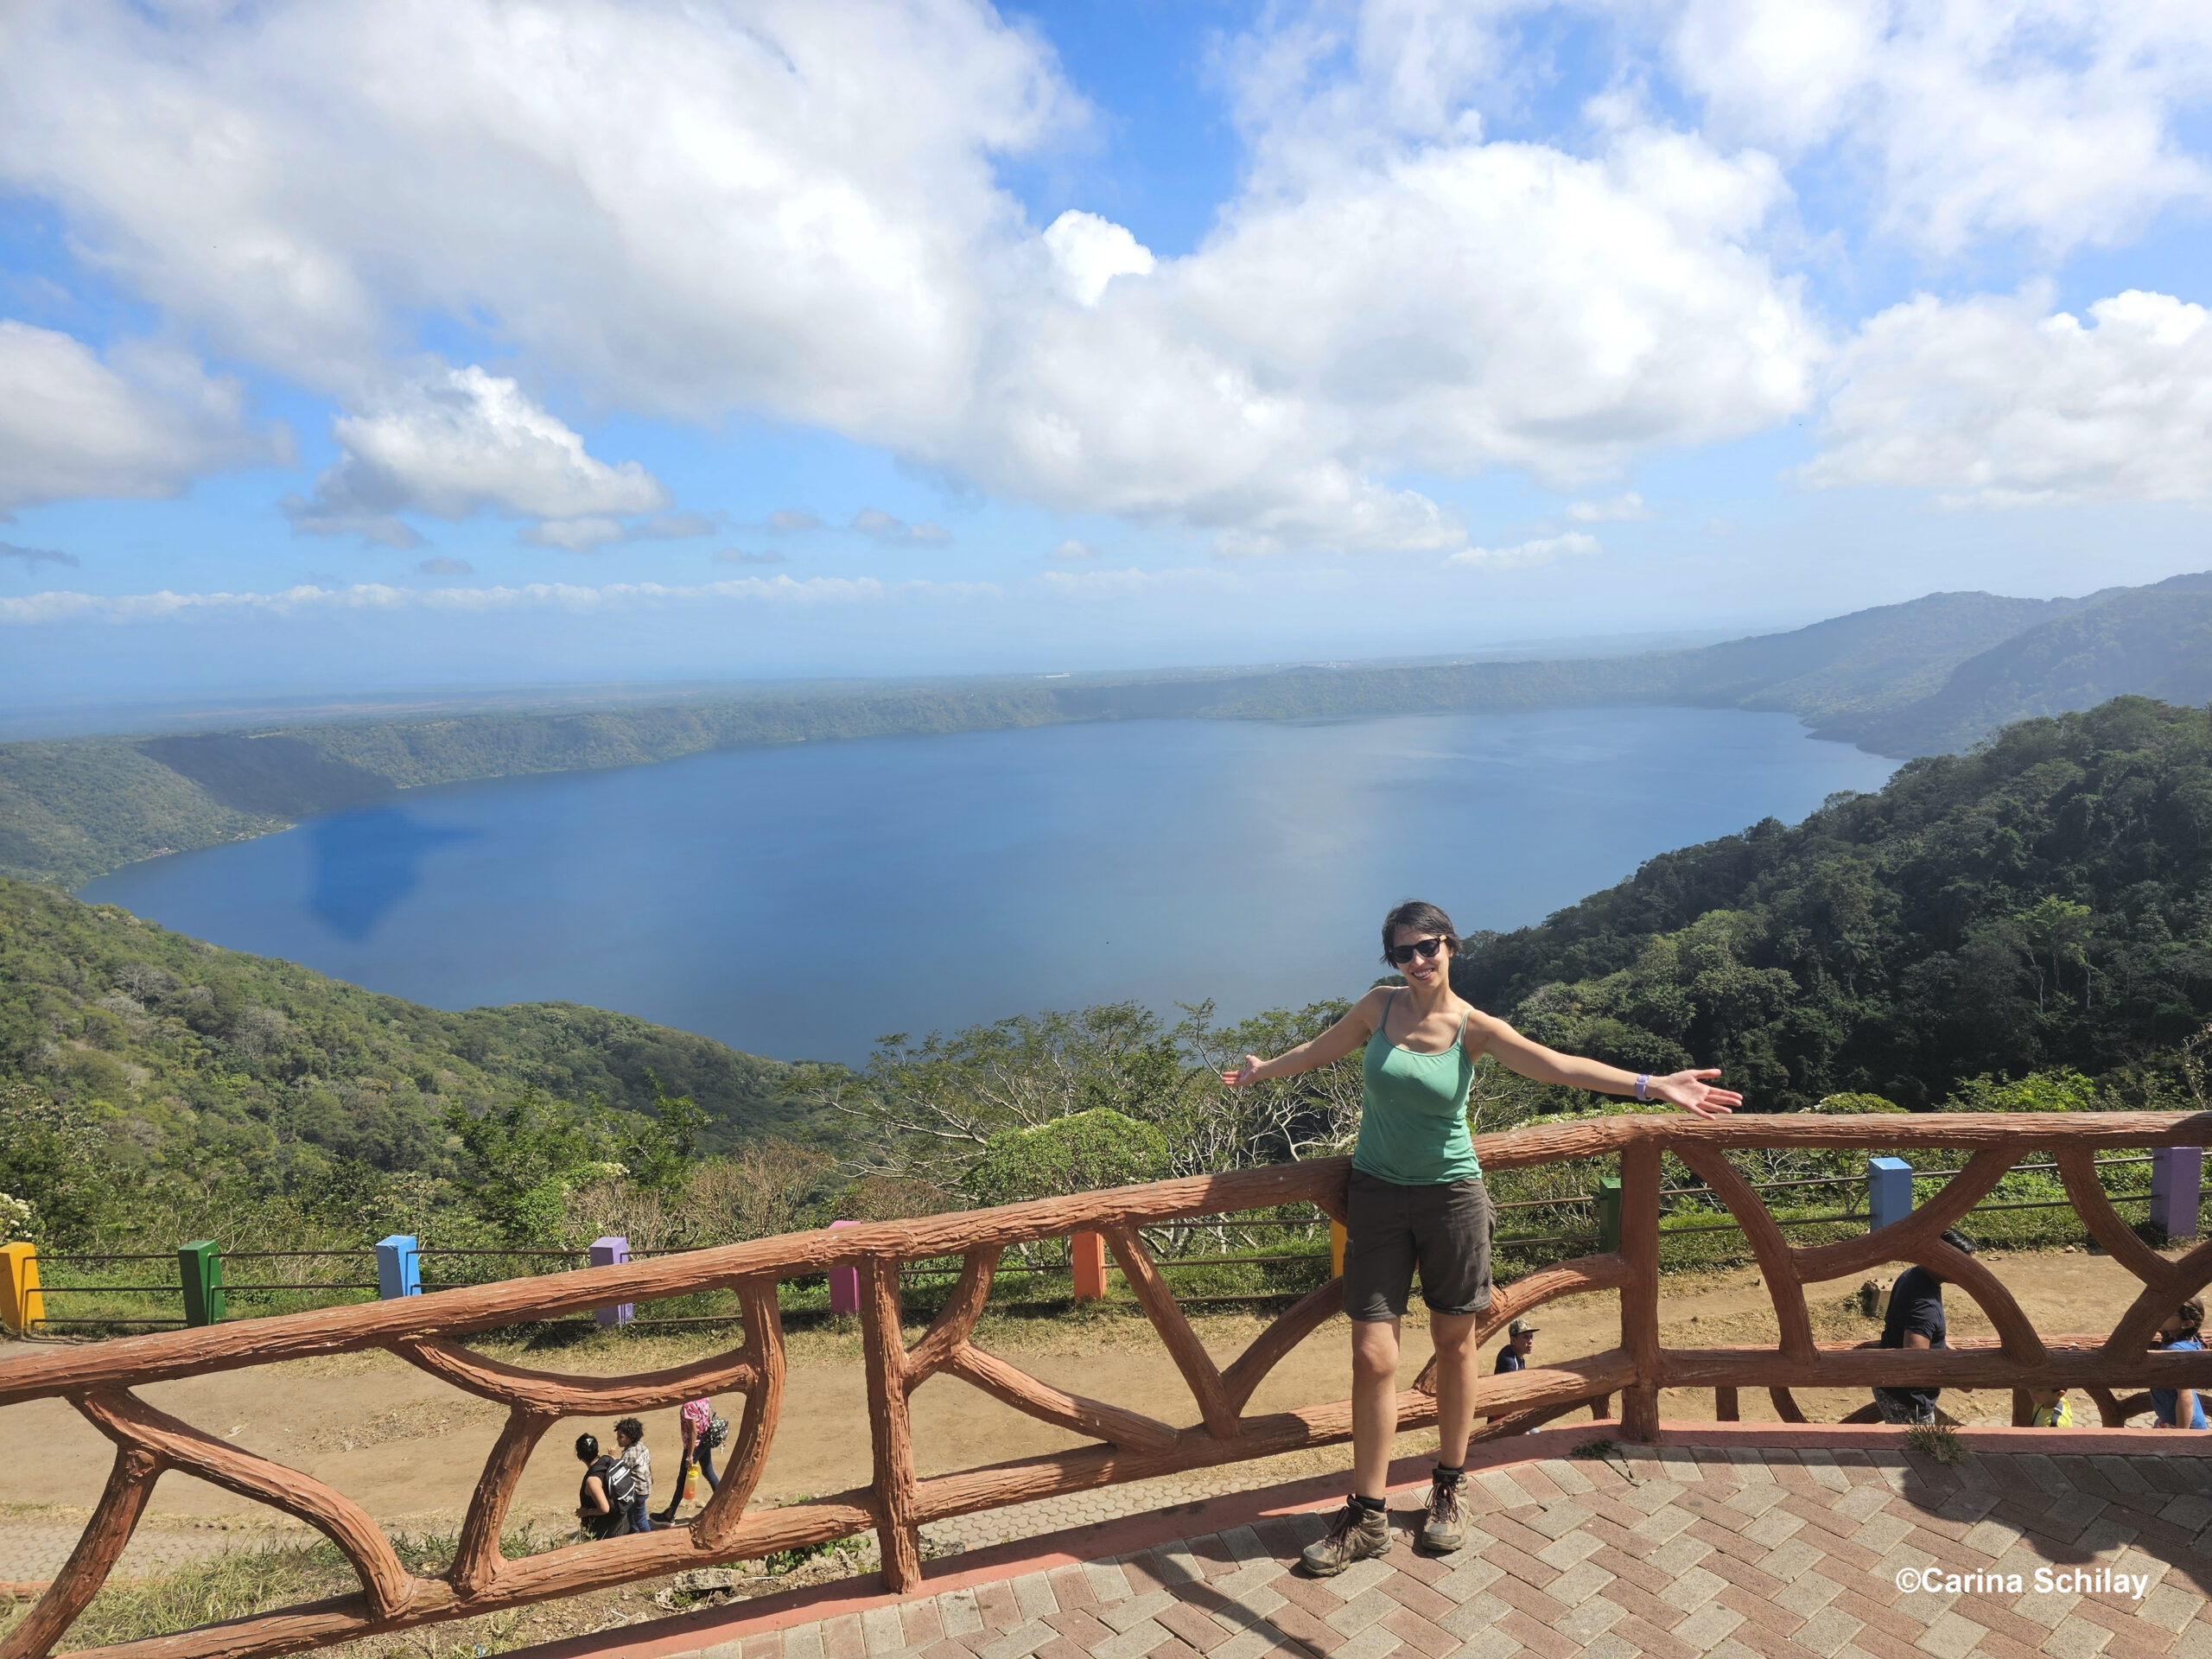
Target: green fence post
x=200, y=1265
x=1609, y=1212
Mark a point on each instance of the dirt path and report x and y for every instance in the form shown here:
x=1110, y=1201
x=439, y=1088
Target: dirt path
x=408, y=1448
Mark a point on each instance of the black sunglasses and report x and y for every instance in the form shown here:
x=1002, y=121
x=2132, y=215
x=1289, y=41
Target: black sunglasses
x=1399, y=955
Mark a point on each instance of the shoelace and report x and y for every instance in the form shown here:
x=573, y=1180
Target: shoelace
x=1444, y=1502
x=1347, y=1523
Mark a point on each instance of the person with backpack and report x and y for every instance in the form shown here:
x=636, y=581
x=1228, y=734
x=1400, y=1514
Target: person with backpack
x=596, y=1508
x=631, y=1482
x=698, y=1423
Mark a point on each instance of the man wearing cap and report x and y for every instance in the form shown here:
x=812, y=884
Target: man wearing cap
x=1520, y=1337
x=1915, y=1320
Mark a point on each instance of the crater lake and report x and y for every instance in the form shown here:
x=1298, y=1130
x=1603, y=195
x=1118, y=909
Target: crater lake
x=799, y=901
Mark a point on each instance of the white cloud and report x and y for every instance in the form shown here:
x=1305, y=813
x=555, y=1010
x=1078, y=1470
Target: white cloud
x=446, y=567
x=2055, y=119
x=54, y=607
x=783, y=204
x=1091, y=251
x=1131, y=583
x=143, y=422
x=1071, y=551
x=1444, y=310
x=1998, y=401
x=1615, y=509
x=589, y=535
x=790, y=520
x=1575, y=544
x=452, y=443
x=879, y=526
x=793, y=209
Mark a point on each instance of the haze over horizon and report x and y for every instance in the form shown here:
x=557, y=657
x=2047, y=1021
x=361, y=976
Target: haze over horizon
x=349, y=349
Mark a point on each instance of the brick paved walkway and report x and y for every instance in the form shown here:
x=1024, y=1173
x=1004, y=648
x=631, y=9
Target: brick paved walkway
x=1728, y=1551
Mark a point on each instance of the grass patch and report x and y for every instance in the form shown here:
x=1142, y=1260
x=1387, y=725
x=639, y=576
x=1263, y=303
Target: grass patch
x=1594, y=1451
x=234, y=1586
x=241, y=1583
x=1937, y=1441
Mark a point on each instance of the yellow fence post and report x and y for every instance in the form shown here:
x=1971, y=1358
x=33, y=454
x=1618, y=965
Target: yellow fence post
x=20, y=1304
x=1337, y=1237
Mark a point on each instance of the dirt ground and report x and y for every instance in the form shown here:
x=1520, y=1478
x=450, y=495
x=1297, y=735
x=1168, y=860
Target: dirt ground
x=409, y=1448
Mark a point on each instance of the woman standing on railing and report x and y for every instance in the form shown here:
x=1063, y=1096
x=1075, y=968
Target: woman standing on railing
x=1416, y=1197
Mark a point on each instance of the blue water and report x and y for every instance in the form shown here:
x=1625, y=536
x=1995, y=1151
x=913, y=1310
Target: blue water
x=799, y=901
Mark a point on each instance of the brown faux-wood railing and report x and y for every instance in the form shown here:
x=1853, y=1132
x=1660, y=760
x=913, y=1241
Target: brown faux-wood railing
x=98, y=1378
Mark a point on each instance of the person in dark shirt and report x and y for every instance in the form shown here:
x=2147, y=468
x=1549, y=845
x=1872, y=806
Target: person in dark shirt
x=601, y=1516
x=1915, y=1320
x=1520, y=1338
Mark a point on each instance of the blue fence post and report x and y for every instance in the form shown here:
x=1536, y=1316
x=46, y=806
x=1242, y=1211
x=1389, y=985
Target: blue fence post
x=1889, y=1191
x=607, y=1253
x=2176, y=1188
x=399, y=1267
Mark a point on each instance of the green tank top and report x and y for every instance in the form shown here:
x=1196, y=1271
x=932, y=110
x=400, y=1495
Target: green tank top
x=1413, y=1112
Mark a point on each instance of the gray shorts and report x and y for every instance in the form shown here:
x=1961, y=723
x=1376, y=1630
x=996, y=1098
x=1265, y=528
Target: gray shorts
x=1444, y=1229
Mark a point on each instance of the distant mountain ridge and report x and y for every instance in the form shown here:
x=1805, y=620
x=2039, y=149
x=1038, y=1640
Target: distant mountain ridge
x=2153, y=642
x=1927, y=677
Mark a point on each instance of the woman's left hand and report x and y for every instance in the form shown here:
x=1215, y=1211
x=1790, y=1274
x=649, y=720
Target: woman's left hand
x=1690, y=1091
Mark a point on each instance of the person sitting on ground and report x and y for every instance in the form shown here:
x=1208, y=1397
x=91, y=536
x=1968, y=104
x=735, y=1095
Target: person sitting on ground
x=695, y=1423
x=2184, y=1329
x=1915, y=1320
x=630, y=1435
x=1520, y=1338
x=602, y=1517
x=2051, y=1410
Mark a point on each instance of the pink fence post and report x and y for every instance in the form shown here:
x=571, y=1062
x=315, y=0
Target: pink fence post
x=844, y=1283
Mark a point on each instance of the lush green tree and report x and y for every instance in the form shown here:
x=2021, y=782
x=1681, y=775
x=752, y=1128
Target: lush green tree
x=1079, y=1152
x=523, y=1158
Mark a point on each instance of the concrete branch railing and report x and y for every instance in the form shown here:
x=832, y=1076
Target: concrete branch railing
x=99, y=1379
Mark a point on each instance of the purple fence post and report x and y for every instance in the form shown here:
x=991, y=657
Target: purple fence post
x=844, y=1283
x=2176, y=1184
x=606, y=1253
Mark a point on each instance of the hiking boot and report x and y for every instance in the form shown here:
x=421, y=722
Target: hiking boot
x=1356, y=1534
x=1444, y=1530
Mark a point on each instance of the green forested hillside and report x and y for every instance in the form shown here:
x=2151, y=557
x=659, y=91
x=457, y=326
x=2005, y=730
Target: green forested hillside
x=217, y=1065
x=2041, y=902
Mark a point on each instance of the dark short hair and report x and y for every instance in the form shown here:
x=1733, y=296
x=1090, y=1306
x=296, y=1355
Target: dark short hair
x=1958, y=1241
x=586, y=1448
x=633, y=1427
x=1420, y=916
x=2191, y=1315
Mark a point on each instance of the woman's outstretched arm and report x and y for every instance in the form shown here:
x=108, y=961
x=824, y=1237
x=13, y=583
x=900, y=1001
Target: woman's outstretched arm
x=1687, y=1089
x=1338, y=1041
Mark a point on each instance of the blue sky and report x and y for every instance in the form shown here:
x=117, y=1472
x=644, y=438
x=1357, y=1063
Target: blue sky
x=346, y=347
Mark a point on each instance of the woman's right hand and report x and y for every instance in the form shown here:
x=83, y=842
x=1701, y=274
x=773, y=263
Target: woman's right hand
x=1245, y=1075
